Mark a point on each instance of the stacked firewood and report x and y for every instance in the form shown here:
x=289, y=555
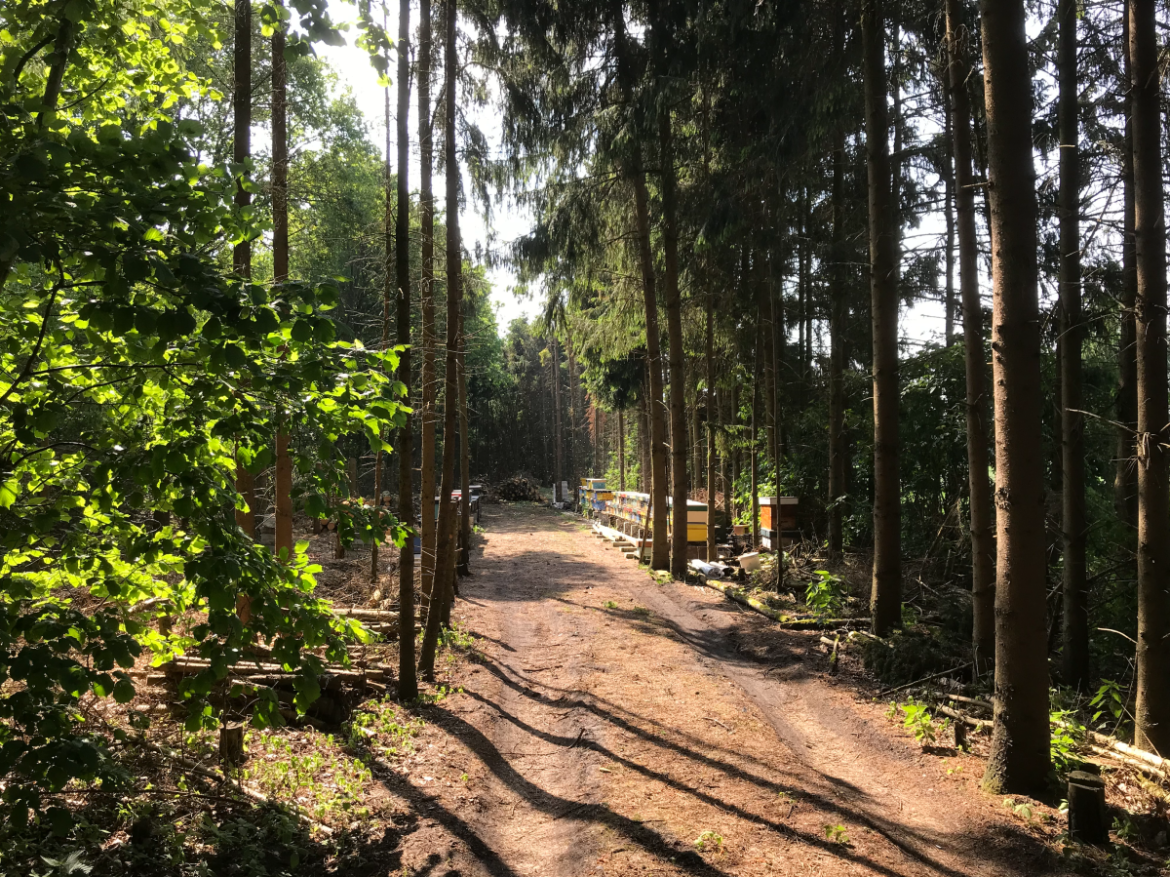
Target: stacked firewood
x=518, y=488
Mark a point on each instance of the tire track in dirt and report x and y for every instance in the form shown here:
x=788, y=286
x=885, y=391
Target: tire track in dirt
x=615, y=723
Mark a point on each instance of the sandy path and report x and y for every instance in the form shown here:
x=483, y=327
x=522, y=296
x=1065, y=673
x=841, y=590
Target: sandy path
x=613, y=722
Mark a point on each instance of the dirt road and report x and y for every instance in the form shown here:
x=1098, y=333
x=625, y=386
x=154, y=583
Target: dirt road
x=618, y=726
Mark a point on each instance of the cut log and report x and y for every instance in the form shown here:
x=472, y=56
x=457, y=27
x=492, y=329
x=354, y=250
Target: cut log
x=366, y=614
x=1088, y=820
x=190, y=666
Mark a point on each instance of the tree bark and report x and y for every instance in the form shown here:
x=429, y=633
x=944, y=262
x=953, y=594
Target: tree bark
x=1019, y=760
x=407, y=681
x=838, y=309
x=1125, y=478
x=426, y=219
x=444, y=584
x=388, y=251
x=886, y=594
x=242, y=253
x=621, y=450
x=949, y=197
x=757, y=419
x=1152, y=716
x=283, y=485
x=558, y=435
x=659, y=554
x=464, y=568
x=644, y=465
x=678, y=426
x=1075, y=619
x=979, y=489
x=574, y=419
x=711, y=407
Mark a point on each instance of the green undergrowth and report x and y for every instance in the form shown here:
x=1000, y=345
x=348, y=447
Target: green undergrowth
x=159, y=830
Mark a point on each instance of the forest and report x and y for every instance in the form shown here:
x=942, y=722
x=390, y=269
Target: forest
x=895, y=268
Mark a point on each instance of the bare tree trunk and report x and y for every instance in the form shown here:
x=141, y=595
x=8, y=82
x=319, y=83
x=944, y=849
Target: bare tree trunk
x=1152, y=717
x=558, y=435
x=387, y=290
x=621, y=450
x=1075, y=665
x=283, y=486
x=444, y=584
x=426, y=219
x=722, y=431
x=982, y=542
x=574, y=420
x=886, y=596
x=407, y=681
x=644, y=463
x=756, y=418
x=242, y=254
x=711, y=409
x=464, y=568
x=949, y=196
x=735, y=451
x=678, y=427
x=838, y=310
x=1125, y=479
x=1019, y=760
x=659, y=555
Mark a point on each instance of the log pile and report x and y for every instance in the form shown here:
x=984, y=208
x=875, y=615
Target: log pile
x=518, y=488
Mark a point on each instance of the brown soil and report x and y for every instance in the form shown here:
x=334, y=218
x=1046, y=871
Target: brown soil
x=609, y=724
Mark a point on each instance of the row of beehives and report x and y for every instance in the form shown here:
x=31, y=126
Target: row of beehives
x=777, y=514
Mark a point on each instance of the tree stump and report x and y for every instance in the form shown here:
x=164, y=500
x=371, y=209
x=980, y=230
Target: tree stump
x=231, y=744
x=960, y=735
x=1088, y=821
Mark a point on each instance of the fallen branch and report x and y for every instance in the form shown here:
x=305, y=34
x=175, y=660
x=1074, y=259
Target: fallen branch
x=189, y=666
x=979, y=724
x=930, y=678
x=783, y=619
x=974, y=701
x=1149, y=758
x=1136, y=764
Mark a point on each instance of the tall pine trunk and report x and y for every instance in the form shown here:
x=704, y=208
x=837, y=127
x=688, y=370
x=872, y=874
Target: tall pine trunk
x=711, y=407
x=1075, y=625
x=1019, y=760
x=426, y=221
x=387, y=294
x=407, y=682
x=1152, y=716
x=660, y=553
x=979, y=487
x=283, y=485
x=838, y=309
x=242, y=253
x=886, y=594
x=621, y=450
x=1125, y=492
x=678, y=426
x=444, y=584
x=558, y=434
x=949, y=210
x=464, y=457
